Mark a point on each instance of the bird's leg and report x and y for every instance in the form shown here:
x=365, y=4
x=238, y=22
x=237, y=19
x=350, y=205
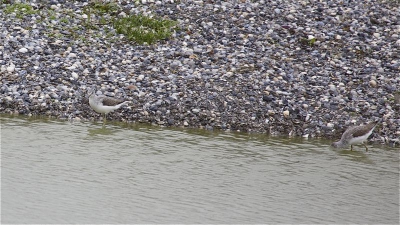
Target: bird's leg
x=104, y=119
x=366, y=148
x=351, y=147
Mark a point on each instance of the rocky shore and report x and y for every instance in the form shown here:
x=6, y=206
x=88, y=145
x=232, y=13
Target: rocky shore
x=299, y=68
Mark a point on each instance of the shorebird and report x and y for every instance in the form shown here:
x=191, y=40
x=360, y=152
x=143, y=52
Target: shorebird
x=355, y=135
x=103, y=104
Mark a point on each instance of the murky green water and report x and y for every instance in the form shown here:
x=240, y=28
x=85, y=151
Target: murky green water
x=58, y=172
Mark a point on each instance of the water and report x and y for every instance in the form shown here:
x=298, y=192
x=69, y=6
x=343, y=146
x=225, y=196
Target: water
x=58, y=172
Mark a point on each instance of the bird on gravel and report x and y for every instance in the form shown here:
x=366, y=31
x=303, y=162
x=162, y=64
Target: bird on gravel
x=104, y=104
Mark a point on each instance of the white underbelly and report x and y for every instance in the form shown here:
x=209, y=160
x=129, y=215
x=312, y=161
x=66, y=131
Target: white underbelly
x=361, y=139
x=102, y=108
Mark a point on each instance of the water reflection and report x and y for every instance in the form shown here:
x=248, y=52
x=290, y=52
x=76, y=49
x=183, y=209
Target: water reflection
x=101, y=131
x=358, y=156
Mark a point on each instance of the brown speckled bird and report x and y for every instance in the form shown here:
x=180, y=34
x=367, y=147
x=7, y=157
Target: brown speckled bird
x=355, y=135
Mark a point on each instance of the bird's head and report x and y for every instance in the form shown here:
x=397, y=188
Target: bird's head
x=335, y=145
x=338, y=144
x=91, y=91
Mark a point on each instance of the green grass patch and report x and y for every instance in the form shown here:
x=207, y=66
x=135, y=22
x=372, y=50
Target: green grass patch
x=20, y=9
x=309, y=41
x=104, y=8
x=102, y=12
x=51, y=14
x=101, y=20
x=143, y=29
x=64, y=20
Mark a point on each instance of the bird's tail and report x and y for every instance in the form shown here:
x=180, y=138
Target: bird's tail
x=123, y=103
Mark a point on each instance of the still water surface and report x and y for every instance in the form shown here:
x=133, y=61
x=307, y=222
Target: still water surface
x=60, y=172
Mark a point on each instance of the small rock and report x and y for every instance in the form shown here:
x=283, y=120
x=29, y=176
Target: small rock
x=140, y=77
x=11, y=68
x=132, y=87
x=286, y=113
x=71, y=67
x=372, y=83
x=74, y=75
x=23, y=50
x=71, y=55
x=171, y=121
x=290, y=17
x=175, y=64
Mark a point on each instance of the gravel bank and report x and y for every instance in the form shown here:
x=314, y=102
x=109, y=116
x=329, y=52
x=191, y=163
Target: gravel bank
x=298, y=68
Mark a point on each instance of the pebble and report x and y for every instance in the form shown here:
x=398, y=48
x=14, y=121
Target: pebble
x=286, y=113
x=23, y=50
x=372, y=83
x=74, y=75
x=231, y=65
x=11, y=68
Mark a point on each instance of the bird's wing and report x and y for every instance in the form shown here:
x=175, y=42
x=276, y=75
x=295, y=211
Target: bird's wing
x=108, y=101
x=360, y=131
x=348, y=133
